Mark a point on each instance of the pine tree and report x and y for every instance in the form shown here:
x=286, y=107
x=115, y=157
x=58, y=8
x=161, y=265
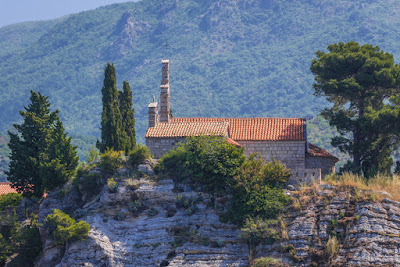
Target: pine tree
x=62, y=159
x=42, y=157
x=111, y=121
x=128, y=117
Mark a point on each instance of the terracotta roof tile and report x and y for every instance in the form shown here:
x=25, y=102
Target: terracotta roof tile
x=316, y=151
x=183, y=129
x=257, y=129
x=6, y=188
x=233, y=142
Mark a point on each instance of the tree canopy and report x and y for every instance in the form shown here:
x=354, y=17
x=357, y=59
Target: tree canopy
x=359, y=81
x=42, y=156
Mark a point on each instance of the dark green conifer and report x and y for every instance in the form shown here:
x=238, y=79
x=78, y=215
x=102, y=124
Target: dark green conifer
x=128, y=117
x=111, y=121
x=42, y=157
x=62, y=158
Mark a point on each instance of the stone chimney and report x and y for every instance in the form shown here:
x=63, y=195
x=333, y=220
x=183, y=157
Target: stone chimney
x=164, y=96
x=153, y=114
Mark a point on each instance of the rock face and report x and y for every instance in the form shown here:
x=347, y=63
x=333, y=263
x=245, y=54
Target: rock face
x=161, y=235
x=164, y=233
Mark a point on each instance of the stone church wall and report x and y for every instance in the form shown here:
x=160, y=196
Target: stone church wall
x=327, y=165
x=290, y=153
x=160, y=146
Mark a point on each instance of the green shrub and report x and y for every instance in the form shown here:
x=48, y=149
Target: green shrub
x=256, y=191
x=92, y=155
x=188, y=203
x=89, y=183
x=10, y=199
x=5, y=250
x=267, y=262
x=111, y=160
x=62, y=228
x=139, y=154
x=131, y=184
x=112, y=185
x=136, y=206
x=258, y=230
x=209, y=161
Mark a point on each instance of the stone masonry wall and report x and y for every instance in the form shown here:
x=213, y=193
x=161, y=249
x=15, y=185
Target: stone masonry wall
x=327, y=165
x=290, y=153
x=160, y=146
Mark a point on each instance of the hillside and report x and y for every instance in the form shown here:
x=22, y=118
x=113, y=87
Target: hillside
x=228, y=57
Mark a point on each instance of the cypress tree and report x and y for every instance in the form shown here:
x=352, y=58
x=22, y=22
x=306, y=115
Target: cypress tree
x=111, y=121
x=128, y=117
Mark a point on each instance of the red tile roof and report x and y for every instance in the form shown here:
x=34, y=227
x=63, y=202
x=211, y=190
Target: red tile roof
x=6, y=188
x=233, y=142
x=259, y=129
x=183, y=129
x=316, y=151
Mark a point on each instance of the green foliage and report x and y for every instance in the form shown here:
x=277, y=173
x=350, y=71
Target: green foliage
x=111, y=160
x=87, y=183
x=359, y=81
x=256, y=190
x=10, y=199
x=62, y=228
x=267, y=262
x=257, y=230
x=138, y=154
x=136, y=206
x=112, y=135
x=92, y=155
x=112, y=185
x=188, y=203
x=209, y=161
x=5, y=250
x=42, y=157
x=128, y=117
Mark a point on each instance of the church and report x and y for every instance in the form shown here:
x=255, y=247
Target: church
x=283, y=139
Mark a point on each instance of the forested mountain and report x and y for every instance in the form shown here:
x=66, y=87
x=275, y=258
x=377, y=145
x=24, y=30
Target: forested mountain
x=229, y=58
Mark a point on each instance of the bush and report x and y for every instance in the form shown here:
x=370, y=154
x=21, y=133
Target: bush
x=92, y=155
x=112, y=185
x=139, y=154
x=10, y=199
x=62, y=228
x=257, y=230
x=136, y=207
x=111, y=160
x=209, y=161
x=267, y=262
x=89, y=183
x=256, y=190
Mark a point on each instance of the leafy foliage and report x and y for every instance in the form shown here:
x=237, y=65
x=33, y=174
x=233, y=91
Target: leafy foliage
x=111, y=160
x=257, y=190
x=92, y=155
x=42, y=156
x=62, y=228
x=10, y=199
x=138, y=154
x=209, y=161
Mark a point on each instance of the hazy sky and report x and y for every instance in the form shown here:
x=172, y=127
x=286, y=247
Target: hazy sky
x=14, y=11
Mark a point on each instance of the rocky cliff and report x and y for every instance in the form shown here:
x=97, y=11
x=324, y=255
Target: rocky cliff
x=161, y=231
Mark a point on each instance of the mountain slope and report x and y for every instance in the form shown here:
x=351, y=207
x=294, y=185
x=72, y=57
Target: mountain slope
x=228, y=57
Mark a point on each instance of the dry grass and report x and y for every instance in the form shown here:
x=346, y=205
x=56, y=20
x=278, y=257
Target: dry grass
x=332, y=248
x=373, y=187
